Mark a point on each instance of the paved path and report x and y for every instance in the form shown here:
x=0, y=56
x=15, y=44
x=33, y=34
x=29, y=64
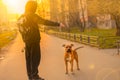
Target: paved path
x=95, y=64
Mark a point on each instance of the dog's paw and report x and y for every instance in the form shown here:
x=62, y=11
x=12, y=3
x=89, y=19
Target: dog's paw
x=66, y=73
x=72, y=73
x=78, y=69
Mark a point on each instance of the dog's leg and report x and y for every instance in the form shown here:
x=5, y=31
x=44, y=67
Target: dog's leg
x=66, y=64
x=76, y=59
x=71, y=65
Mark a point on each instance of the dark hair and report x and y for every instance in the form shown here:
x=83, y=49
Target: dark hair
x=31, y=6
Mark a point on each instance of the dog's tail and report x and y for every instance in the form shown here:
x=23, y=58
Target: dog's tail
x=78, y=48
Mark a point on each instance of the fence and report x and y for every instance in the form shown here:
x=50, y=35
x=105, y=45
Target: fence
x=108, y=41
x=85, y=39
x=96, y=41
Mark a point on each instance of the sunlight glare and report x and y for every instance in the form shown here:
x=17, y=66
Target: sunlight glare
x=15, y=6
x=92, y=66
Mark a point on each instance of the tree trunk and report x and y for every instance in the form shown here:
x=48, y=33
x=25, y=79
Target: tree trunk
x=117, y=20
x=81, y=15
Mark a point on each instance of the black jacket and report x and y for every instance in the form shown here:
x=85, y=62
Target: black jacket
x=28, y=27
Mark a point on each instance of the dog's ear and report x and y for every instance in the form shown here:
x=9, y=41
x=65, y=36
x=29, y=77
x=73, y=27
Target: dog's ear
x=72, y=44
x=63, y=45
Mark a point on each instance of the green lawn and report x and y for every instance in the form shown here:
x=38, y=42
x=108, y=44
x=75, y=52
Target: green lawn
x=95, y=31
x=91, y=31
x=106, y=37
x=6, y=37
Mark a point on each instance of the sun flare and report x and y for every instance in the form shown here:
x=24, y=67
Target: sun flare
x=15, y=6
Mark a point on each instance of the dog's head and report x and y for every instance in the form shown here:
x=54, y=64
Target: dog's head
x=68, y=48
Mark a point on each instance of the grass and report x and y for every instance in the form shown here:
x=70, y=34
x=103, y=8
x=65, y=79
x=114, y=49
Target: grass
x=6, y=37
x=91, y=31
x=107, y=37
x=95, y=31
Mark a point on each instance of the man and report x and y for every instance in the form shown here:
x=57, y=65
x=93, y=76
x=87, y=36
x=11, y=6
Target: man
x=28, y=27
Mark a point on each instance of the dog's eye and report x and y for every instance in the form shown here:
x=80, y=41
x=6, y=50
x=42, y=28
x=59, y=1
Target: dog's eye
x=70, y=47
x=67, y=47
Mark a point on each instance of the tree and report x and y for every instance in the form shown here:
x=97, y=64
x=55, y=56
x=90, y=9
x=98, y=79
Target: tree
x=111, y=7
x=106, y=7
x=93, y=7
x=93, y=11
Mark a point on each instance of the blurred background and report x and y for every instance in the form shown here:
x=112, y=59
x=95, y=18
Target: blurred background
x=91, y=17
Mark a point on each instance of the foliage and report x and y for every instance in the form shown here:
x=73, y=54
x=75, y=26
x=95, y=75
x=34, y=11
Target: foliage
x=106, y=7
x=93, y=7
x=6, y=37
x=110, y=6
x=103, y=6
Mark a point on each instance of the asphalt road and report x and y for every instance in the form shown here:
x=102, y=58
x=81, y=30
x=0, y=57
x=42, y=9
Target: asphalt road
x=95, y=64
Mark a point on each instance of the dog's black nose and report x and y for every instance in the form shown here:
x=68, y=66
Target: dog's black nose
x=69, y=50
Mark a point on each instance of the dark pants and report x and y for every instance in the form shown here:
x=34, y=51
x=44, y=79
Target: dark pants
x=33, y=56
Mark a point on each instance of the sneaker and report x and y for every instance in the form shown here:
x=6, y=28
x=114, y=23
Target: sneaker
x=38, y=78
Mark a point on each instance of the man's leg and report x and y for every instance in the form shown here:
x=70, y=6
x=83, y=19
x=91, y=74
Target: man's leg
x=36, y=57
x=28, y=61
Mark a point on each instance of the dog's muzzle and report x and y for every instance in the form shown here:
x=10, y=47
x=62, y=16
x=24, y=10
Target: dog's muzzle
x=69, y=51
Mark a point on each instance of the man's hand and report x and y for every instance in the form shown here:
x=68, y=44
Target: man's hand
x=62, y=25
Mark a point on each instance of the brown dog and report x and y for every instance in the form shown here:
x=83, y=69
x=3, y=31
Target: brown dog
x=70, y=56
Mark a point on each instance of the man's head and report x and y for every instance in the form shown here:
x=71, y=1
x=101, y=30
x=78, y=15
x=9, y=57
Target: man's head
x=31, y=6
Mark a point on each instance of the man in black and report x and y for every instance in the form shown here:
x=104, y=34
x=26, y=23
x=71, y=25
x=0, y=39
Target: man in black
x=28, y=27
